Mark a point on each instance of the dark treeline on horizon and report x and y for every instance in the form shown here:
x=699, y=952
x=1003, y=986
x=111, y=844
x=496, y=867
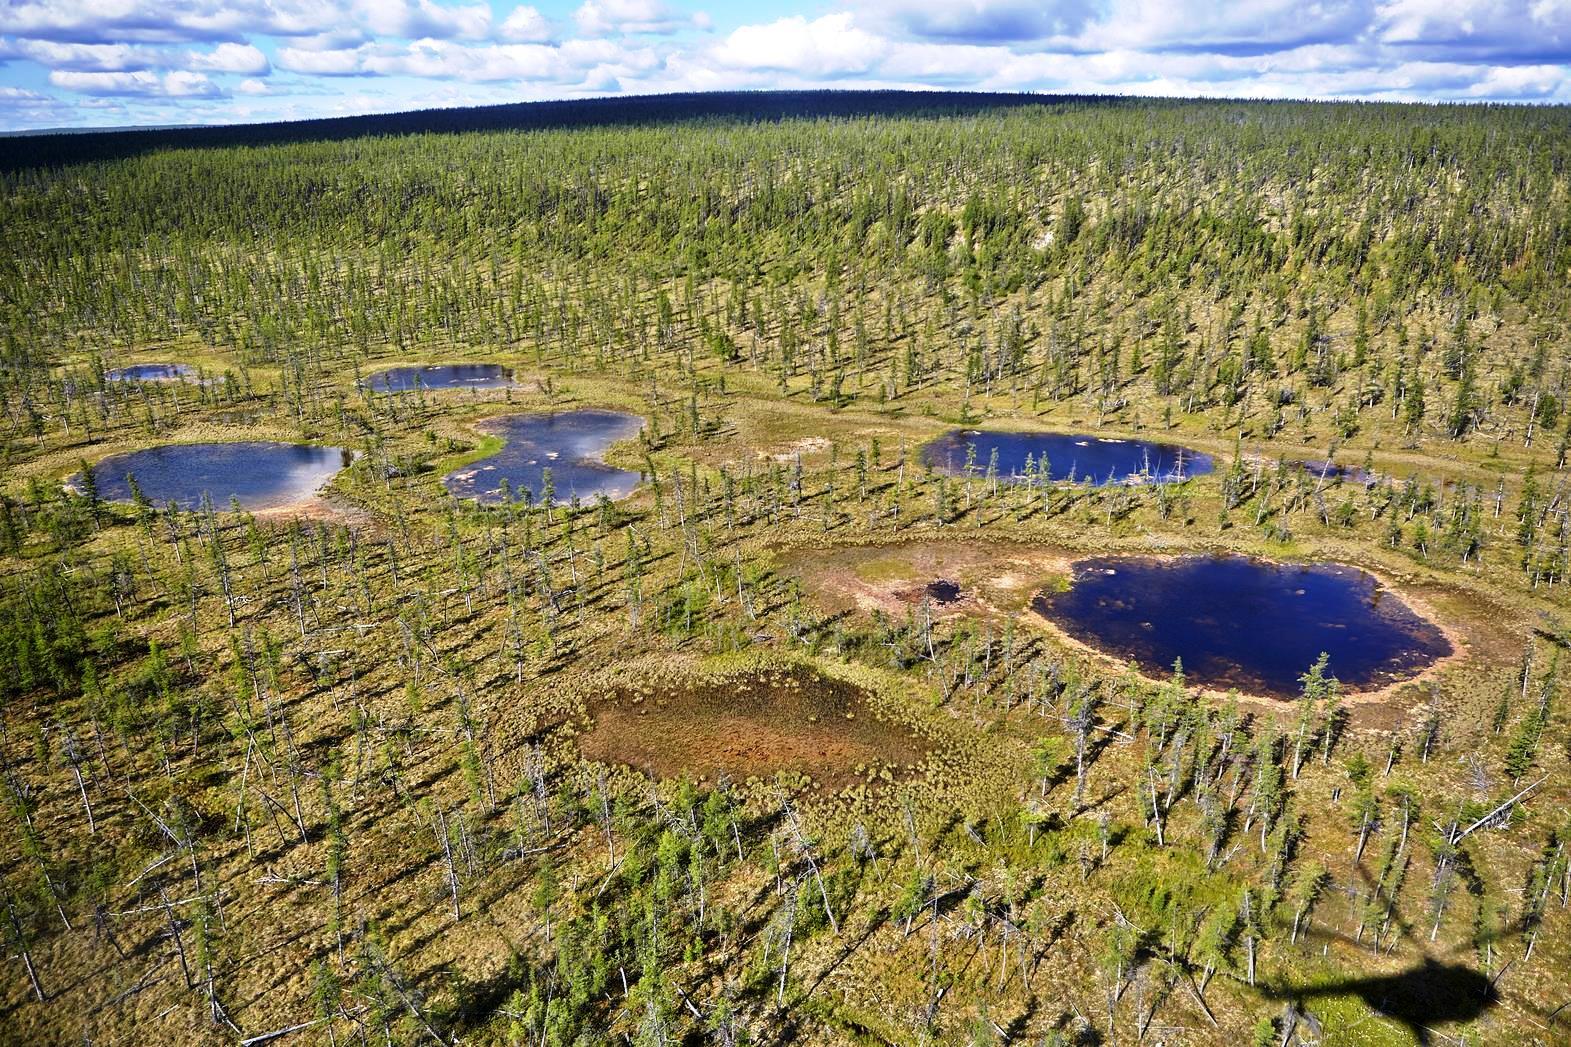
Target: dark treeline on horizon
x=63, y=148
x=70, y=147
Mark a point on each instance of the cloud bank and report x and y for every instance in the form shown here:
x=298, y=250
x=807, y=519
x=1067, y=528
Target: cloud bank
x=98, y=62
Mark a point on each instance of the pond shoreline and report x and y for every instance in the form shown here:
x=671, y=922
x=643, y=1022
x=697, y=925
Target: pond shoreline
x=1460, y=648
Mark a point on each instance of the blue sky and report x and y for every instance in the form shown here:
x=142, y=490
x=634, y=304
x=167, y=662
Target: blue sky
x=96, y=63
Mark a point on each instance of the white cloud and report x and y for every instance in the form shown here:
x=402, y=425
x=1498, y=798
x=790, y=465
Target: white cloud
x=405, y=54
x=1519, y=82
x=1521, y=30
x=326, y=62
x=230, y=58
x=178, y=83
x=137, y=83
x=1509, y=30
x=188, y=21
x=163, y=21
x=342, y=38
x=827, y=46
x=22, y=108
x=525, y=26
x=182, y=83
x=106, y=58
x=980, y=21
x=438, y=59
x=628, y=17
x=411, y=19
x=1258, y=27
x=476, y=63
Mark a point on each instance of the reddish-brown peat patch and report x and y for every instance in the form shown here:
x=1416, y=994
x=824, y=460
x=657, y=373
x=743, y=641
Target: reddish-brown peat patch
x=750, y=724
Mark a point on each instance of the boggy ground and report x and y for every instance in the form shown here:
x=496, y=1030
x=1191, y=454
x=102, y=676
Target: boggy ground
x=994, y=578
x=752, y=722
x=998, y=579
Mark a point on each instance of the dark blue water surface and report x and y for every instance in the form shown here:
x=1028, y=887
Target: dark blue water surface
x=1098, y=459
x=442, y=376
x=571, y=444
x=150, y=373
x=262, y=475
x=1246, y=623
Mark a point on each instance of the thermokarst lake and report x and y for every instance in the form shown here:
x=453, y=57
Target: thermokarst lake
x=1241, y=622
x=261, y=474
x=1068, y=456
x=441, y=376
x=571, y=444
x=151, y=373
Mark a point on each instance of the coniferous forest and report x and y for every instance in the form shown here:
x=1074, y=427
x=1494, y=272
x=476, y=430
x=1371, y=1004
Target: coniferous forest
x=787, y=739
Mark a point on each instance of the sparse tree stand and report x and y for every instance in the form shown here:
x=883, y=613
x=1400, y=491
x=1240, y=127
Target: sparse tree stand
x=17, y=939
x=355, y=743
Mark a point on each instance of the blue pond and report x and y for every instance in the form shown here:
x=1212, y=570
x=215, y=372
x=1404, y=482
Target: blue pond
x=1069, y=456
x=571, y=444
x=262, y=475
x=151, y=373
x=1246, y=623
x=441, y=376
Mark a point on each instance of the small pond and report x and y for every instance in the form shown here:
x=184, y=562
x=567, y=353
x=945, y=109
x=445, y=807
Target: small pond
x=570, y=444
x=1069, y=456
x=441, y=376
x=942, y=591
x=1242, y=622
x=151, y=373
x=263, y=475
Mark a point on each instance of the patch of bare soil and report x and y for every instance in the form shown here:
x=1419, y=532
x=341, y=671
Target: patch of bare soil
x=955, y=577
x=754, y=724
x=328, y=508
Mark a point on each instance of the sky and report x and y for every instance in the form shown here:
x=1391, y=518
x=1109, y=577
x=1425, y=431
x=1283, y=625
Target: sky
x=97, y=63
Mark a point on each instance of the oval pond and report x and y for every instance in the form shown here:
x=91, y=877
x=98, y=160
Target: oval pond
x=262, y=475
x=441, y=376
x=151, y=373
x=571, y=444
x=1246, y=623
x=1069, y=456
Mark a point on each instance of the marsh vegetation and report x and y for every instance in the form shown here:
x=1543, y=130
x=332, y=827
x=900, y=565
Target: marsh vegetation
x=681, y=743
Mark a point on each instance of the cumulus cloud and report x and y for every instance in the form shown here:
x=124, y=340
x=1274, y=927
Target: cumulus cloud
x=162, y=21
x=1086, y=26
x=230, y=58
x=179, y=83
x=424, y=19
x=571, y=62
x=1515, y=30
x=195, y=21
x=981, y=21
x=21, y=107
x=383, y=55
x=827, y=46
x=1258, y=27
x=525, y=25
x=331, y=61
x=105, y=58
x=631, y=17
x=437, y=59
x=338, y=39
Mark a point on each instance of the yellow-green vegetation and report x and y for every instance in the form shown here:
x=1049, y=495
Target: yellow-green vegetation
x=707, y=764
